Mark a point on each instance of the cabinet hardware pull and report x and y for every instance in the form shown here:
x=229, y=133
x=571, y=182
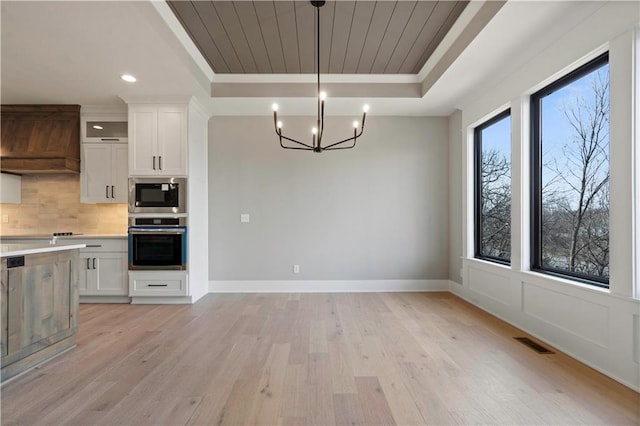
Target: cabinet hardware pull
x=94, y=245
x=158, y=285
x=154, y=162
x=112, y=192
x=94, y=263
x=160, y=162
x=106, y=189
x=88, y=267
x=110, y=139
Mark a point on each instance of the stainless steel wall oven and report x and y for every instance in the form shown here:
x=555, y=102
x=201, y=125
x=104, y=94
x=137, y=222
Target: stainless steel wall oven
x=157, y=243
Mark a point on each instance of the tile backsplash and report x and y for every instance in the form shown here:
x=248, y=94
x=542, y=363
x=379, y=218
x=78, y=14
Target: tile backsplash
x=51, y=203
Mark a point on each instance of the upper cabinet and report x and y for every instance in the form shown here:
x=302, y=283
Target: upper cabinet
x=104, y=166
x=158, y=140
x=111, y=128
x=104, y=173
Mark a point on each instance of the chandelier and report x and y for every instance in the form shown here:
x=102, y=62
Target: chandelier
x=318, y=131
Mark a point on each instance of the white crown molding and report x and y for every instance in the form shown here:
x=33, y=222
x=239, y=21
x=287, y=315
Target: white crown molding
x=312, y=78
x=175, y=26
x=454, y=32
x=309, y=90
x=156, y=99
x=103, y=109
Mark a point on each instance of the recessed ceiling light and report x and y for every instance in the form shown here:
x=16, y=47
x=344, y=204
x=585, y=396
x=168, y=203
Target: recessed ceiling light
x=98, y=127
x=128, y=78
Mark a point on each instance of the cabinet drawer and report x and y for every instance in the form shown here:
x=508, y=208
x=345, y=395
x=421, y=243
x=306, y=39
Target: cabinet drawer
x=112, y=244
x=160, y=283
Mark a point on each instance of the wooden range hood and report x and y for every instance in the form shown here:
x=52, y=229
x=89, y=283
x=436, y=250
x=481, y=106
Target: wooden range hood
x=40, y=139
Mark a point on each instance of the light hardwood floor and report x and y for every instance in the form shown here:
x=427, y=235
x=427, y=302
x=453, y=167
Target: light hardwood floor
x=321, y=359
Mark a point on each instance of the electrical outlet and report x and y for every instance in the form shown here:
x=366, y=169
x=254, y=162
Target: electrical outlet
x=244, y=218
x=5, y=218
x=296, y=269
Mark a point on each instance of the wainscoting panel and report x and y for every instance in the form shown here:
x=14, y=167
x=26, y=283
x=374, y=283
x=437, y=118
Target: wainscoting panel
x=582, y=318
x=636, y=338
x=589, y=324
x=491, y=285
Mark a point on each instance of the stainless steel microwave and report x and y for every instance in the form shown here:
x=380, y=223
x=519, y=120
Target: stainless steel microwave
x=157, y=195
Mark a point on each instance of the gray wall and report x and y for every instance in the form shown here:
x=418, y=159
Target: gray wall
x=379, y=211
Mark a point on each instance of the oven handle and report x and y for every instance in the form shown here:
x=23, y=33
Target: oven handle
x=156, y=231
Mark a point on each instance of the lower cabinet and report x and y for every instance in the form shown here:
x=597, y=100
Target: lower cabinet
x=4, y=308
x=103, y=271
x=103, y=267
x=158, y=283
x=103, y=274
x=39, y=309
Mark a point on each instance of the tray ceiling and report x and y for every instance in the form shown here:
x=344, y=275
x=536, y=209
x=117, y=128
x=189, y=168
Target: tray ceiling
x=356, y=37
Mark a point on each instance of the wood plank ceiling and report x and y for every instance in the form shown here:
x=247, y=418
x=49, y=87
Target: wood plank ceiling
x=356, y=37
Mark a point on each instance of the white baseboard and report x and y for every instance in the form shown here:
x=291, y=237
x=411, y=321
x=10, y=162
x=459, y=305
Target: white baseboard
x=326, y=286
x=105, y=299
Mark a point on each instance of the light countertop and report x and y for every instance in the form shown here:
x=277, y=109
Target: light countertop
x=7, y=250
x=62, y=237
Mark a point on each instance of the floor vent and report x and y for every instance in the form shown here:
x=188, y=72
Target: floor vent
x=533, y=345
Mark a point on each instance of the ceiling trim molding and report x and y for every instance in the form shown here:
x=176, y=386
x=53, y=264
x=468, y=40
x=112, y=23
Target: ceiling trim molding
x=156, y=99
x=458, y=27
x=309, y=90
x=454, y=47
x=312, y=78
x=175, y=26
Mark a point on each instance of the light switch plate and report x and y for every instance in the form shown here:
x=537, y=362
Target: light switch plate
x=244, y=218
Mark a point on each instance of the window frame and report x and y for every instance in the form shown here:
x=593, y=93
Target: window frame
x=477, y=185
x=536, y=173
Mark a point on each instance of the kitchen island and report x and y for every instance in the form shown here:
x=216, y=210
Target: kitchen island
x=38, y=303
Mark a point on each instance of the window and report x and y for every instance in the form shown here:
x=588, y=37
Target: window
x=570, y=175
x=492, y=152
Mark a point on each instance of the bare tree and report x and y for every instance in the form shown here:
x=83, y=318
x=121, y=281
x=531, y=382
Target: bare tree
x=577, y=193
x=496, y=204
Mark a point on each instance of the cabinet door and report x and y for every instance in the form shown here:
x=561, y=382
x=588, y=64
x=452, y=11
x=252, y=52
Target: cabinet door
x=4, y=294
x=172, y=140
x=119, y=173
x=112, y=277
x=87, y=283
x=96, y=173
x=105, y=128
x=143, y=140
x=39, y=302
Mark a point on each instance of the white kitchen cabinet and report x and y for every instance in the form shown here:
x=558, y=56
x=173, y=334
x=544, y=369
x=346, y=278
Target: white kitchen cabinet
x=104, y=173
x=158, y=140
x=158, y=283
x=101, y=127
x=103, y=268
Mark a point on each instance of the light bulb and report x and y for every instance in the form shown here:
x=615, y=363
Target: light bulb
x=323, y=96
x=274, y=107
x=279, y=124
x=98, y=127
x=314, y=130
x=365, y=108
x=355, y=124
x=128, y=78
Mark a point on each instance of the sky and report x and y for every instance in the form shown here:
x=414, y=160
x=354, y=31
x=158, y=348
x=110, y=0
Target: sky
x=556, y=129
